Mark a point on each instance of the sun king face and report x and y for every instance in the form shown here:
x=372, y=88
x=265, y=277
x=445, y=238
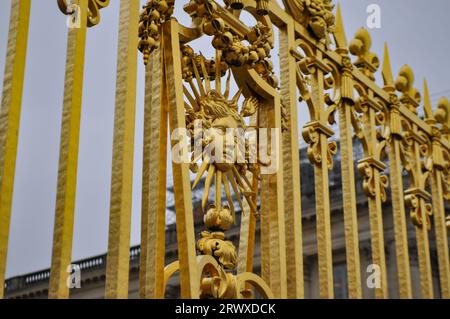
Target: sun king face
x=221, y=118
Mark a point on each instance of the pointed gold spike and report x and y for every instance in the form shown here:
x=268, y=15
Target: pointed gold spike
x=236, y=97
x=218, y=84
x=226, y=94
x=199, y=79
x=339, y=33
x=388, y=78
x=190, y=98
x=205, y=75
x=208, y=182
x=194, y=89
x=237, y=193
x=228, y=195
x=249, y=184
x=197, y=157
x=247, y=194
x=219, y=189
x=427, y=101
x=239, y=180
x=203, y=168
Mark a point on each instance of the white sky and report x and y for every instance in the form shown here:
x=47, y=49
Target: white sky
x=417, y=32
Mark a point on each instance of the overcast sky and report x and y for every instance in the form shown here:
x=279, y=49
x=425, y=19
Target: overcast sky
x=417, y=32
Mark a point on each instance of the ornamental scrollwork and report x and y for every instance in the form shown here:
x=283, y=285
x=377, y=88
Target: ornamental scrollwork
x=446, y=175
x=94, y=7
x=415, y=151
x=413, y=202
x=213, y=243
x=368, y=120
x=367, y=170
x=311, y=133
x=321, y=111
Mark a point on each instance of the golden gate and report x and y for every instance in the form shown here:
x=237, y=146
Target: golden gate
x=182, y=86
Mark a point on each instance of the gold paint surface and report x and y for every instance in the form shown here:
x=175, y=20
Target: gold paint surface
x=154, y=183
x=68, y=159
x=118, y=258
x=10, y=118
x=291, y=175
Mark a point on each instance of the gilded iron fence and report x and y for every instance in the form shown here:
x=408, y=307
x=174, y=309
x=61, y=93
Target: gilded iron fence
x=183, y=88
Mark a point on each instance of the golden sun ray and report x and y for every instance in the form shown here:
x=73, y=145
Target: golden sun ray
x=202, y=170
x=198, y=78
x=218, y=78
x=228, y=195
x=219, y=189
x=208, y=181
x=205, y=75
x=226, y=94
x=248, y=194
x=194, y=90
x=191, y=99
x=235, y=189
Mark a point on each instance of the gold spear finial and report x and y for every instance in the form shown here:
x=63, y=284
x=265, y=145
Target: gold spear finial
x=339, y=33
x=388, y=78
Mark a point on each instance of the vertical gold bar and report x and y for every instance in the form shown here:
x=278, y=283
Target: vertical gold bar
x=154, y=182
x=247, y=233
x=396, y=178
x=441, y=232
x=423, y=251
x=347, y=164
x=423, y=246
x=322, y=194
x=377, y=237
x=68, y=158
x=291, y=161
x=324, y=246
x=273, y=202
x=118, y=258
x=376, y=210
x=438, y=135
x=10, y=119
x=400, y=229
x=349, y=202
x=189, y=279
x=265, y=228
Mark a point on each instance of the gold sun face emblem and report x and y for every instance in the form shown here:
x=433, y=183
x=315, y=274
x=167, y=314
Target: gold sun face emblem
x=219, y=116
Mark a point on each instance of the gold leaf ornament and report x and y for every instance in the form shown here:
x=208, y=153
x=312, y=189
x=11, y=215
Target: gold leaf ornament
x=94, y=7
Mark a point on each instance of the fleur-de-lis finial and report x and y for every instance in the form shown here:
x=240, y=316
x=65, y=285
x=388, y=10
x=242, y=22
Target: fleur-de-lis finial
x=368, y=62
x=442, y=114
x=405, y=84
